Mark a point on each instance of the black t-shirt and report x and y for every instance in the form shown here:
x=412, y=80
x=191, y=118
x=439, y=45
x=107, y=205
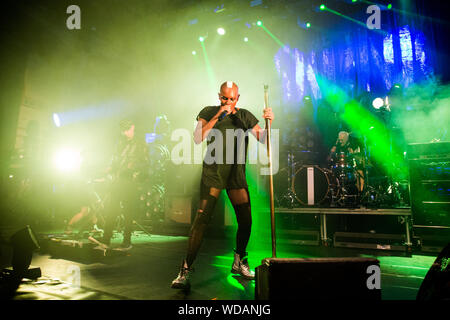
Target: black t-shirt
x=345, y=148
x=224, y=164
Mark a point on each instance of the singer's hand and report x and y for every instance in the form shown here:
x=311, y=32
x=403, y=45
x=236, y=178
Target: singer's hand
x=268, y=114
x=226, y=108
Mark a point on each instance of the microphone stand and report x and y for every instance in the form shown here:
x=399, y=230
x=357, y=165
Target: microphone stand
x=269, y=155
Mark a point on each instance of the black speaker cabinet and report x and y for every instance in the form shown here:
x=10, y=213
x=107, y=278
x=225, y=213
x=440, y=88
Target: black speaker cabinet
x=429, y=166
x=318, y=279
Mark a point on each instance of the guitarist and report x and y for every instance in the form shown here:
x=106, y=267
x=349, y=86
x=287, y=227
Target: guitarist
x=129, y=168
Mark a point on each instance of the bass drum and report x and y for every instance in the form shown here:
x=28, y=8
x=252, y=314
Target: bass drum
x=313, y=185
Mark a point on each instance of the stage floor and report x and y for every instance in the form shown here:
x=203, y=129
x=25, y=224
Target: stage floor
x=146, y=271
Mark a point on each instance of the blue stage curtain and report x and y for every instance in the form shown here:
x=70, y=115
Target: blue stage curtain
x=358, y=61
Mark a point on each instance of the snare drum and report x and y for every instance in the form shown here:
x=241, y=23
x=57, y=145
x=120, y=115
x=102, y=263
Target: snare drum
x=313, y=185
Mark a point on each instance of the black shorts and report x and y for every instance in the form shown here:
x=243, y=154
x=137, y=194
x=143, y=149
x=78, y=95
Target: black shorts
x=222, y=176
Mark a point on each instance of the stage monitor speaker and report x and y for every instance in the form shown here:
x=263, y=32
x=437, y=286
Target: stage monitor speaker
x=436, y=284
x=24, y=243
x=318, y=279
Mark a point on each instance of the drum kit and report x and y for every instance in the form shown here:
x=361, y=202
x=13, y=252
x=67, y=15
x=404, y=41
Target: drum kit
x=348, y=180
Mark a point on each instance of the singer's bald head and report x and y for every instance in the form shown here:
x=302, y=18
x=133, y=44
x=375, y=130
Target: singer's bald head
x=229, y=85
x=229, y=93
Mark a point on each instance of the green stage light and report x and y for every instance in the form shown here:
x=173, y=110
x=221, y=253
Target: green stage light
x=209, y=69
x=389, y=6
x=360, y=119
x=259, y=23
x=308, y=25
x=221, y=31
x=194, y=52
x=354, y=1
x=245, y=39
x=322, y=7
x=272, y=35
x=201, y=39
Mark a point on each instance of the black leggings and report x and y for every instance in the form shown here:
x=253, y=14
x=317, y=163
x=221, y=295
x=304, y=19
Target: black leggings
x=240, y=200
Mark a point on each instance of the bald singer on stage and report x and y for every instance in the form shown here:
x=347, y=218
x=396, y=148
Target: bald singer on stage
x=219, y=173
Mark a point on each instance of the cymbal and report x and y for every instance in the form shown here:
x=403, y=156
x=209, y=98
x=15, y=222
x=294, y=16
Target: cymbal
x=301, y=152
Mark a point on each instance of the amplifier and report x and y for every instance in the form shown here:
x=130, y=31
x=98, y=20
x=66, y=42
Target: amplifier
x=429, y=168
x=432, y=150
x=178, y=209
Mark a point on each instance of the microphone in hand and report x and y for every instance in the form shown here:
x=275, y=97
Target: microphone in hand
x=225, y=112
x=223, y=115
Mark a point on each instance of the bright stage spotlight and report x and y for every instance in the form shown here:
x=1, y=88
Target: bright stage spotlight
x=389, y=6
x=201, y=39
x=245, y=39
x=221, y=31
x=308, y=25
x=259, y=23
x=56, y=120
x=67, y=160
x=194, y=52
x=322, y=7
x=377, y=103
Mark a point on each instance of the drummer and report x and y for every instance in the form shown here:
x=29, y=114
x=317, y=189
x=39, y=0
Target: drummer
x=344, y=145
